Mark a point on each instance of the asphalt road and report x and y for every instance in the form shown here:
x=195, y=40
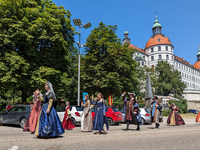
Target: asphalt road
x=185, y=137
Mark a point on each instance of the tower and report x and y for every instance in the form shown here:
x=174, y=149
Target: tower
x=126, y=39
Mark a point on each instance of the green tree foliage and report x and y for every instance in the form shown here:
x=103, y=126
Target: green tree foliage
x=35, y=39
x=182, y=105
x=168, y=80
x=108, y=66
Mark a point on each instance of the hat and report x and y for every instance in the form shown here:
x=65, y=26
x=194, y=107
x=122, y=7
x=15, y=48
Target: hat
x=154, y=97
x=129, y=93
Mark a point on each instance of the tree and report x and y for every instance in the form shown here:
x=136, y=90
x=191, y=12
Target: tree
x=168, y=79
x=40, y=34
x=108, y=66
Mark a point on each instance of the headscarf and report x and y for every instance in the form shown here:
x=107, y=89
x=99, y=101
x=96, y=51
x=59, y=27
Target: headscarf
x=51, y=89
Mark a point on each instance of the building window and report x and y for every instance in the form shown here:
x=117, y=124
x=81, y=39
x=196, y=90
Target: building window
x=172, y=58
x=167, y=57
x=152, y=58
x=152, y=66
x=171, y=49
x=159, y=48
x=160, y=57
x=158, y=39
x=142, y=63
x=152, y=49
x=166, y=48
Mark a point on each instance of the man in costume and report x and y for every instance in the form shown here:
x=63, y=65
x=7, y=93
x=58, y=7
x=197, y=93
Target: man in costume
x=156, y=111
x=131, y=110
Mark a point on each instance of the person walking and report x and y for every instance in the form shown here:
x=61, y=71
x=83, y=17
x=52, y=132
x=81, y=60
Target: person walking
x=156, y=111
x=48, y=124
x=174, y=117
x=100, y=114
x=67, y=121
x=86, y=120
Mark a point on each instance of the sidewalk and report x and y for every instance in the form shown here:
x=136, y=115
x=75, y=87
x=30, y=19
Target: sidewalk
x=187, y=121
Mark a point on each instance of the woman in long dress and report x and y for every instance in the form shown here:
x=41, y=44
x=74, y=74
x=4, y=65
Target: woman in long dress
x=100, y=114
x=198, y=116
x=174, y=117
x=86, y=120
x=33, y=117
x=67, y=121
x=48, y=124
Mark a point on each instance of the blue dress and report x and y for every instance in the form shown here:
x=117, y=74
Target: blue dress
x=138, y=116
x=99, y=118
x=48, y=125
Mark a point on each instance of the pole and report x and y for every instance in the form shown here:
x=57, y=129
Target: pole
x=79, y=57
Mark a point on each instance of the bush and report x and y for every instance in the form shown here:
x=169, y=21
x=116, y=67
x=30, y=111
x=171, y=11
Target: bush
x=166, y=112
x=182, y=105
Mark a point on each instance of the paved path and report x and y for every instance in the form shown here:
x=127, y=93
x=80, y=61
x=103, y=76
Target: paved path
x=166, y=138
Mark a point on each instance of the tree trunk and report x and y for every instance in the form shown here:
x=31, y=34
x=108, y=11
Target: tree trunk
x=24, y=94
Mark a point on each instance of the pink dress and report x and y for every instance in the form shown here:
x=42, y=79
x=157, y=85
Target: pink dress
x=31, y=123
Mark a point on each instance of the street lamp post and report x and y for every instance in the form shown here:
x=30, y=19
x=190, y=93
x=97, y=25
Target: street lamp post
x=78, y=22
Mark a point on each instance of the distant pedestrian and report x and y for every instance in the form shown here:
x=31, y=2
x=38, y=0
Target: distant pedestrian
x=100, y=114
x=174, y=117
x=67, y=121
x=18, y=102
x=86, y=119
x=8, y=106
x=156, y=111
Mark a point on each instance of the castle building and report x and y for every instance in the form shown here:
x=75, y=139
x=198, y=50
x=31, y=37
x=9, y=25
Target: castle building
x=159, y=47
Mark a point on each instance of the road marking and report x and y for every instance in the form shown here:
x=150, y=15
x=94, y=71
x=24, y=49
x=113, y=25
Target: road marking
x=109, y=134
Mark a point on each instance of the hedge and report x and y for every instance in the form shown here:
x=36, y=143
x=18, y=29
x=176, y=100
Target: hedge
x=182, y=105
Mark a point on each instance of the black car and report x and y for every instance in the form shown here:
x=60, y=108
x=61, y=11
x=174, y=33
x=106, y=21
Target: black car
x=18, y=115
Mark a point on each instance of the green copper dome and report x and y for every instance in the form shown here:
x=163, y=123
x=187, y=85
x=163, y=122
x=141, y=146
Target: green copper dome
x=156, y=24
x=198, y=51
x=126, y=32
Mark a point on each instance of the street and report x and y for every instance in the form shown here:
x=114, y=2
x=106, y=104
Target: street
x=170, y=137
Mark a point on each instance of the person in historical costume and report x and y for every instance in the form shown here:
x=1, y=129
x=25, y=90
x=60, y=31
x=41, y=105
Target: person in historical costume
x=86, y=119
x=67, y=121
x=31, y=123
x=100, y=115
x=8, y=106
x=156, y=111
x=174, y=117
x=131, y=109
x=48, y=124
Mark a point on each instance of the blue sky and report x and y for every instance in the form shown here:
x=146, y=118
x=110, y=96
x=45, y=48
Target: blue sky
x=179, y=19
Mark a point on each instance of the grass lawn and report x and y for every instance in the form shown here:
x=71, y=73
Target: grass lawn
x=188, y=116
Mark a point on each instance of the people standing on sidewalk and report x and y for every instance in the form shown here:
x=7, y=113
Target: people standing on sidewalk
x=31, y=123
x=100, y=114
x=174, y=117
x=86, y=119
x=131, y=109
x=67, y=121
x=8, y=106
x=156, y=111
x=48, y=124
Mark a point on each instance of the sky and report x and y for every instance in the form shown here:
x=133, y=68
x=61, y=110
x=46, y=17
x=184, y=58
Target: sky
x=179, y=19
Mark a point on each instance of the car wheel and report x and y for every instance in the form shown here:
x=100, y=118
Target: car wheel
x=22, y=122
x=143, y=121
x=116, y=123
x=73, y=121
x=110, y=121
x=1, y=121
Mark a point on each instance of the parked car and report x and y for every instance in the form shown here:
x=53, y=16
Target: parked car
x=114, y=116
x=193, y=111
x=145, y=114
x=76, y=112
x=18, y=115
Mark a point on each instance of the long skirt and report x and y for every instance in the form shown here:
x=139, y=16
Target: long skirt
x=198, y=117
x=86, y=122
x=175, y=119
x=100, y=120
x=31, y=123
x=48, y=125
x=68, y=124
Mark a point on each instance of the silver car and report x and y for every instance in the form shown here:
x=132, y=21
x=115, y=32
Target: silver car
x=17, y=115
x=145, y=114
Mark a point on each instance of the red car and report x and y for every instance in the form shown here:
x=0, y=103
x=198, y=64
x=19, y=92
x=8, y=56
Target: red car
x=112, y=113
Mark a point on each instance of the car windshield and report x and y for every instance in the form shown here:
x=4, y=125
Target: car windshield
x=93, y=109
x=79, y=108
x=13, y=109
x=122, y=111
x=147, y=111
x=115, y=109
x=21, y=108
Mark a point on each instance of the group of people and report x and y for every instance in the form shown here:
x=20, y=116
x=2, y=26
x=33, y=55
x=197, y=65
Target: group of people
x=44, y=121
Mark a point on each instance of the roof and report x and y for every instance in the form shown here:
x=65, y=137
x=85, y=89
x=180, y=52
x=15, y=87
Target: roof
x=197, y=65
x=157, y=40
x=156, y=24
x=137, y=48
x=182, y=60
x=126, y=32
x=198, y=51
